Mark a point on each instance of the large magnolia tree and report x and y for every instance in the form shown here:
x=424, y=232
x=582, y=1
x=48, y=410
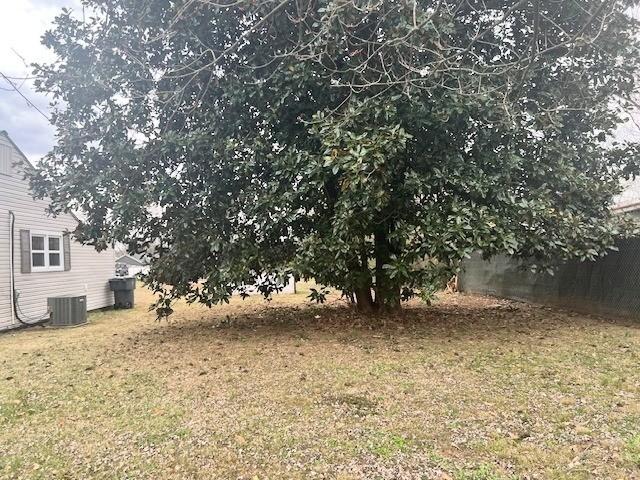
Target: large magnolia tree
x=369, y=144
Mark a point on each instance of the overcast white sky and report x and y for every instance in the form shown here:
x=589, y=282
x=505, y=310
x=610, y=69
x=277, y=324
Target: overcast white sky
x=22, y=23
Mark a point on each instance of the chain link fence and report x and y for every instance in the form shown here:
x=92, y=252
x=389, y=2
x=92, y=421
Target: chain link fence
x=609, y=286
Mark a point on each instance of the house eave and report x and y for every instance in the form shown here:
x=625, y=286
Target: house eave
x=627, y=207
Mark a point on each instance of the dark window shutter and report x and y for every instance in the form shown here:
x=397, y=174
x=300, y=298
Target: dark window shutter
x=66, y=245
x=25, y=251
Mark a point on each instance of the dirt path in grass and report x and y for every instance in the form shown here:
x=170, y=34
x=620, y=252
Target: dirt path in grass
x=470, y=388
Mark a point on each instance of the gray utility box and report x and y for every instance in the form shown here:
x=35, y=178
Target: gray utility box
x=123, y=288
x=67, y=311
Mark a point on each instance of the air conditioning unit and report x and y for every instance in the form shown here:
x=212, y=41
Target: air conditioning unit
x=67, y=311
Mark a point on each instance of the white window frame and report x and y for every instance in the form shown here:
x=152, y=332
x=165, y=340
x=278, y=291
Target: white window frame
x=46, y=251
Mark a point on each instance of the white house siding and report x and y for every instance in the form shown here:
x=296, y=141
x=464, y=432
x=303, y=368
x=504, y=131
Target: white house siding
x=89, y=271
x=135, y=270
x=629, y=199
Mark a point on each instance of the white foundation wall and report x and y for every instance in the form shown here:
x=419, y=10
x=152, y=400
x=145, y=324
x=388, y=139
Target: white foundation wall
x=290, y=287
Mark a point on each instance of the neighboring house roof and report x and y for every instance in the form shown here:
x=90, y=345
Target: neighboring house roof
x=130, y=260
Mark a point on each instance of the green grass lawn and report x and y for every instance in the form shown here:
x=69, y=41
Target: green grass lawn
x=470, y=388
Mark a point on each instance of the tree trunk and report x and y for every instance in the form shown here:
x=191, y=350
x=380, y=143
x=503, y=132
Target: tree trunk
x=364, y=300
x=388, y=297
x=389, y=300
x=387, y=289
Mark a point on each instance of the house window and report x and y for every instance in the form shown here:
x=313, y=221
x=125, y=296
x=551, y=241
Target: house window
x=46, y=252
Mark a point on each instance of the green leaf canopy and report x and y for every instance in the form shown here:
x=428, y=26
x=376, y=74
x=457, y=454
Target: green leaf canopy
x=370, y=145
